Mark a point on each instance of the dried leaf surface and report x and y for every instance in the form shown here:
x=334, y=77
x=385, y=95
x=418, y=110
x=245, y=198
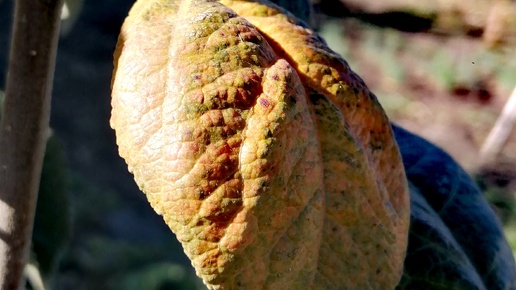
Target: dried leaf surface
x=266, y=155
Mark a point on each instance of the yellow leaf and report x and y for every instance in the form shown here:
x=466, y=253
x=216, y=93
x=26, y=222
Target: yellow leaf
x=268, y=158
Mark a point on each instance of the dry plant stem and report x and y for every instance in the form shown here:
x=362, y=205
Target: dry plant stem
x=23, y=128
x=500, y=132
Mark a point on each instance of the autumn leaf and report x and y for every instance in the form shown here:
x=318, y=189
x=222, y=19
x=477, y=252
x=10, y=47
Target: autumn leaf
x=265, y=154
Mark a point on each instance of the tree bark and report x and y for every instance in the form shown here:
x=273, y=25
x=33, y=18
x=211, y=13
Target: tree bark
x=23, y=129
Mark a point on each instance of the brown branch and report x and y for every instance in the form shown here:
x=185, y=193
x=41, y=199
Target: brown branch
x=23, y=128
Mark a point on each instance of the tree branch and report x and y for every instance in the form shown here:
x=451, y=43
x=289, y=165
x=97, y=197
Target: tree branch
x=23, y=128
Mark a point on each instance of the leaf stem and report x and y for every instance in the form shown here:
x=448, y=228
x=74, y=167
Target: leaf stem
x=23, y=129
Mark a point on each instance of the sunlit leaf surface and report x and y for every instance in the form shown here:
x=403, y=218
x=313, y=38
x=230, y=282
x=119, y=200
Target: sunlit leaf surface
x=267, y=156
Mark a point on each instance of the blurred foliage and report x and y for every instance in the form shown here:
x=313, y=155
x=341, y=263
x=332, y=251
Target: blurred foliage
x=493, y=20
x=69, y=14
x=52, y=222
x=498, y=182
x=399, y=56
x=101, y=256
x=159, y=276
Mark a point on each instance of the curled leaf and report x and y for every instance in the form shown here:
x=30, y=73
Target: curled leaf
x=266, y=155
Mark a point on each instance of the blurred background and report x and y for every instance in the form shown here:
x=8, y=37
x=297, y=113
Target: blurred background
x=443, y=69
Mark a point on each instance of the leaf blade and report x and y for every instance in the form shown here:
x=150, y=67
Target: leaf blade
x=219, y=130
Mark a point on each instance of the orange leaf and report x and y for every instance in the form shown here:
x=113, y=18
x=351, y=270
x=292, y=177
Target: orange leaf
x=268, y=158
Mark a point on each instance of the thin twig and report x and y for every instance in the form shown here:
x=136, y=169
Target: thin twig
x=500, y=132
x=22, y=129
